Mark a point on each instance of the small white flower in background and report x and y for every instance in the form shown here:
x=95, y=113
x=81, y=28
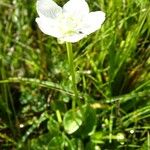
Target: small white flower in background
x=70, y=23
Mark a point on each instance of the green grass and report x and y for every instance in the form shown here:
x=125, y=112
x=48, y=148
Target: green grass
x=112, y=75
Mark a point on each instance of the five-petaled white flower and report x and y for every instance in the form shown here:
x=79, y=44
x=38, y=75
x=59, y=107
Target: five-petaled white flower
x=70, y=23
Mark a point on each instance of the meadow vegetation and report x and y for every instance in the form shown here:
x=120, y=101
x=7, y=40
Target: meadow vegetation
x=112, y=75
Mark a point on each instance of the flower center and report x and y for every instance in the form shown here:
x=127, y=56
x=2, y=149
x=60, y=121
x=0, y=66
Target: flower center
x=68, y=24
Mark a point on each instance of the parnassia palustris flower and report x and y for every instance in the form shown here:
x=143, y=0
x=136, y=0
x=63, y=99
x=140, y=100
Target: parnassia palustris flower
x=69, y=23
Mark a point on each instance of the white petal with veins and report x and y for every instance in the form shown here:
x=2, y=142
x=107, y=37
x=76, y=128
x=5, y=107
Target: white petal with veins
x=48, y=26
x=48, y=8
x=93, y=22
x=76, y=7
x=73, y=38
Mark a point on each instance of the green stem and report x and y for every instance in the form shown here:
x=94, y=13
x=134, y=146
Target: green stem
x=111, y=126
x=72, y=72
x=58, y=114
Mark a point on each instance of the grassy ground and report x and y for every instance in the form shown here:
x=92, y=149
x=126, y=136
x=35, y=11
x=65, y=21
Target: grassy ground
x=112, y=71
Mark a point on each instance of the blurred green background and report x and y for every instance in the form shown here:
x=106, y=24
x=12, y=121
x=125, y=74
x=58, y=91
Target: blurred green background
x=113, y=80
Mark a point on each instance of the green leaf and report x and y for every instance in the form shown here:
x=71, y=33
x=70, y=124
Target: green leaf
x=92, y=146
x=53, y=126
x=77, y=144
x=146, y=144
x=38, y=143
x=57, y=143
x=89, y=121
x=72, y=121
x=97, y=138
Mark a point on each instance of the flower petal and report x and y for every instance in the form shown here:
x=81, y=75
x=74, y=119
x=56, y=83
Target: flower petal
x=48, y=26
x=76, y=7
x=93, y=22
x=73, y=38
x=48, y=8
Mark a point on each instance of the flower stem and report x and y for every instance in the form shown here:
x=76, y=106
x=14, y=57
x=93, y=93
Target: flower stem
x=72, y=72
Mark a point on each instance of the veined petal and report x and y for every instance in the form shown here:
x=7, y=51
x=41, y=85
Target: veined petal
x=48, y=26
x=76, y=7
x=93, y=22
x=73, y=38
x=48, y=8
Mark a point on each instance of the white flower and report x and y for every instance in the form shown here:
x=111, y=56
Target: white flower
x=70, y=23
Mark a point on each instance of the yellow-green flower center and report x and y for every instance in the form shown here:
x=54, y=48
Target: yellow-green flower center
x=68, y=24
